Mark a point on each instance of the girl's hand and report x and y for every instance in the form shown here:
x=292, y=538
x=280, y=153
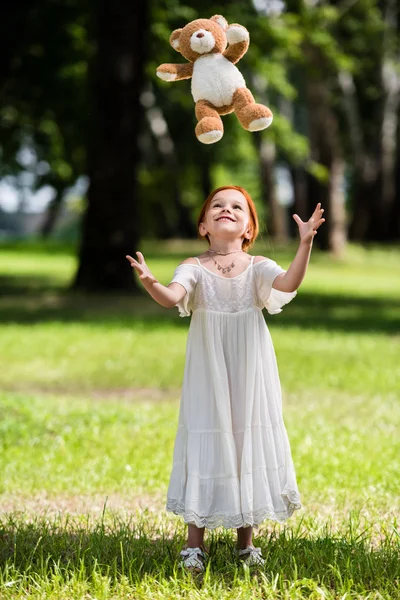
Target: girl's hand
x=308, y=229
x=142, y=269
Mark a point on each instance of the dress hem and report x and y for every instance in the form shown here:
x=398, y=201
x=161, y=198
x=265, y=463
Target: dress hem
x=252, y=519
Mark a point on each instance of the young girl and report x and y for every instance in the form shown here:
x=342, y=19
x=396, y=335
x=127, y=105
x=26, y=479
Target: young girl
x=232, y=460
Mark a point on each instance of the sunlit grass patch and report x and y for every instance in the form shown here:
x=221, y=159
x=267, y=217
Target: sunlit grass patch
x=138, y=558
x=71, y=446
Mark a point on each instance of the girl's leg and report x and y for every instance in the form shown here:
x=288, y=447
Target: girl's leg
x=195, y=537
x=244, y=537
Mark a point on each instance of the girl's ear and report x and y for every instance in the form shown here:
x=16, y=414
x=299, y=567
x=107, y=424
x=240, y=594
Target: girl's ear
x=202, y=230
x=248, y=234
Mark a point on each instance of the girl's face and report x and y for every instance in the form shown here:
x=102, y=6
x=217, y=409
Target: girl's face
x=227, y=217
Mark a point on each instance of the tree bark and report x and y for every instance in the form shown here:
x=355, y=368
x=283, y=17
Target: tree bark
x=366, y=169
x=276, y=218
x=395, y=217
x=52, y=213
x=391, y=86
x=111, y=223
x=325, y=149
x=183, y=226
x=375, y=171
x=302, y=203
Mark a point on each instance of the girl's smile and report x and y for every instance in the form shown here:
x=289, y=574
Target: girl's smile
x=226, y=218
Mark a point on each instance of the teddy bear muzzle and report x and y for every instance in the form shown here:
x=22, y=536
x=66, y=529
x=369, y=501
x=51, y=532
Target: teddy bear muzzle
x=202, y=41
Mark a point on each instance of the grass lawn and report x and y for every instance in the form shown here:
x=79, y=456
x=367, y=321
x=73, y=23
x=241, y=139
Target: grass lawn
x=88, y=412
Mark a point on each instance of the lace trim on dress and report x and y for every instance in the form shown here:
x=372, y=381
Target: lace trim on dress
x=217, y=295
x=252, y=519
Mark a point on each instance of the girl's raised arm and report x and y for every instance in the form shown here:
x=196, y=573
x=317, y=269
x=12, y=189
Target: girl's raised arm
x=291, y=280
x=167, y=296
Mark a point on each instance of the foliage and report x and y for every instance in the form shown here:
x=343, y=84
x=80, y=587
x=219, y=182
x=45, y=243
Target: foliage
x=47, y=106
x=44, y=94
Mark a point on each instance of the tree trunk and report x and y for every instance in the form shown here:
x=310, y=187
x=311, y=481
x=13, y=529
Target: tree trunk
x=391, y=86
x=276, y=219
x=366, y=191
x=184, y=226
x=52, y=214
x=395, y=217
x=302, y=203
x=366, y=168
x=325, y=149
x=111, y=224
x=375, y=195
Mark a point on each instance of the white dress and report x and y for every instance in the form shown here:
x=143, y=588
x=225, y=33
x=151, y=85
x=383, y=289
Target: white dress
x=232, y=463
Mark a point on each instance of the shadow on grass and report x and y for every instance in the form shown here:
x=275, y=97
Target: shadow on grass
x=29, y=305
x=135, y=550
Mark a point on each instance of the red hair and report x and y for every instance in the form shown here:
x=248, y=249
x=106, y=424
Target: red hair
x=253, y=221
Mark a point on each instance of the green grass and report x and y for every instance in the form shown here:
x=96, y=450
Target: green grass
x=64, y=454
x=88, y=416
x=135, y=560
x=346, y=311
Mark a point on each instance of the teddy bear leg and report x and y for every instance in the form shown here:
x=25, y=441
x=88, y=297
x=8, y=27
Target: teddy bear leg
x=209, y=128
x=252, y=116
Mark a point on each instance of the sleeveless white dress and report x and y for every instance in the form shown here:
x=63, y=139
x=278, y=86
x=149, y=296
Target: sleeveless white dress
x=232, y=463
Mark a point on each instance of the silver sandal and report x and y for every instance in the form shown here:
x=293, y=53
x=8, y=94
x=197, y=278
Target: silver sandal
x=251, y=556
x=193, y=559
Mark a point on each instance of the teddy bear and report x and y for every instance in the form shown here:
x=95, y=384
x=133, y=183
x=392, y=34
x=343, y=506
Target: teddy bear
x=218, y=87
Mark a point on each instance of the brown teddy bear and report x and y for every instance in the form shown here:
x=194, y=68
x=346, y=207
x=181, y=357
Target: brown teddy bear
x=218, y=87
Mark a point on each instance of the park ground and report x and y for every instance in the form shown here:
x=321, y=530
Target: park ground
x=88, y=412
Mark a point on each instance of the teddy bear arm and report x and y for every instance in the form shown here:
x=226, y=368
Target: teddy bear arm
x=175, y=72
x=185, y=71
x=235, y=52
x=238, y=40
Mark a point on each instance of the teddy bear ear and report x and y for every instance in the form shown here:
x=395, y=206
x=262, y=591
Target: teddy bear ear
x=222, y=22
x=174, y=39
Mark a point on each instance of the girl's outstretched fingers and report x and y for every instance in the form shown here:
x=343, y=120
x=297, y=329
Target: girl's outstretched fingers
x=141, y=268
x=308, y=229
x=297, y=219
x=132, y=261
x=135, y=265
x=317, y=216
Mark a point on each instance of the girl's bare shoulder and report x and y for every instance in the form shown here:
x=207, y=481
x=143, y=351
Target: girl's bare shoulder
x=258, y=259
x=189, y=261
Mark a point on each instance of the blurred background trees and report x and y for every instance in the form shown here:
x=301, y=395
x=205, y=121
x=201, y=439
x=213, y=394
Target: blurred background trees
x=84, y=115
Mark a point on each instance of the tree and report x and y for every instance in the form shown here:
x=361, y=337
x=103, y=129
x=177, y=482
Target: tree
x=371, y=94
x=111, y=223
x=43, y=92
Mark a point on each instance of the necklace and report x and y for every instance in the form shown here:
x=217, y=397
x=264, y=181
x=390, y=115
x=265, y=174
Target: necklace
x=220, y=267
x=224, y=253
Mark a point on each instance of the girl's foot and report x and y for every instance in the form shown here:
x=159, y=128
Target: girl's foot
x=193, y=559
x=251, y=556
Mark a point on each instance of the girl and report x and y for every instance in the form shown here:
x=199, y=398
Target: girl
x=232, y=461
